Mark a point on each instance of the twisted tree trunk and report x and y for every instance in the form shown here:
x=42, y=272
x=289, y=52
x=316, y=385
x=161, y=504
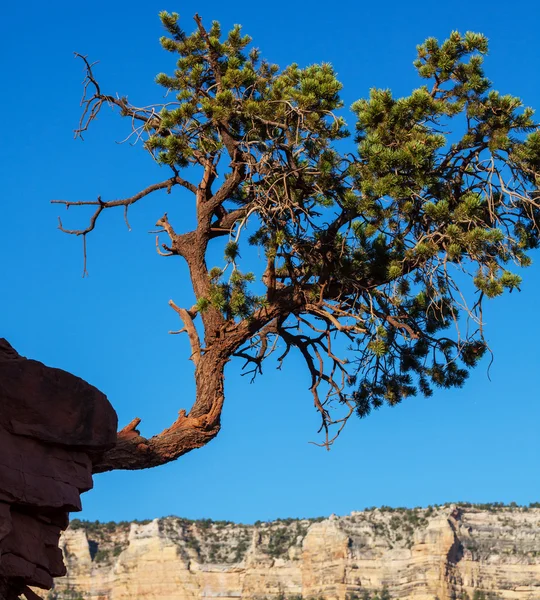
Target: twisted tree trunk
x=189, y=431
x=201, y=425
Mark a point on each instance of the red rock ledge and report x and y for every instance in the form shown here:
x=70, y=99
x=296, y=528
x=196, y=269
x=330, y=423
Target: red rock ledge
x=51, y=424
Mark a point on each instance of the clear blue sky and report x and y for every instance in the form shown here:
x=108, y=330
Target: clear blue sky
x=480, y=443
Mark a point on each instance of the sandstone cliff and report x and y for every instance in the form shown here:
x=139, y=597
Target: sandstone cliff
x=51, y=423
x=418, y=554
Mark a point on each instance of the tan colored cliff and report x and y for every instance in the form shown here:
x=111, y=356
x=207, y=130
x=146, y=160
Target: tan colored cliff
x=419, y=554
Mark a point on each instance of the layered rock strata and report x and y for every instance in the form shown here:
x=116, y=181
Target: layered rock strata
x=51, y=423
x=418, y=554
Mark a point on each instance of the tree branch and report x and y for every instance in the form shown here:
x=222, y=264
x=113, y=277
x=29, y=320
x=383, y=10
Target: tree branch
x=92, y=105
x=101, y=205
x=189, y=328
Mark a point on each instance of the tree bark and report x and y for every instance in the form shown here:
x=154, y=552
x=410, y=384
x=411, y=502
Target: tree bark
x=188, y=432
x=202, y=424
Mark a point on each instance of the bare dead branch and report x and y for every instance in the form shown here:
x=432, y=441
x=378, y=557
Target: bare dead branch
x=92, y=104
x=125, y=202
x=190, y=329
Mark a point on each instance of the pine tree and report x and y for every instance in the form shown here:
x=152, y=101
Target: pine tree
x=372, y=247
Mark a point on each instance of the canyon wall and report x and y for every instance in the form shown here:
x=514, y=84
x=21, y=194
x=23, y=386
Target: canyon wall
x=417, y=554
x=51, y=423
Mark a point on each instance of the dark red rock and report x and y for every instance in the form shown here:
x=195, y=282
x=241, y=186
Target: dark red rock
x=52, y=405
x=43, y=475
x=5, y=521
x=51, y=422
x=35, y=543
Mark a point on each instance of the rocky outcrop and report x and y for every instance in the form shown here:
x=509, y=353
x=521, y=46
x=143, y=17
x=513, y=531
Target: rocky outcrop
x=51, y=424
x=418, y=554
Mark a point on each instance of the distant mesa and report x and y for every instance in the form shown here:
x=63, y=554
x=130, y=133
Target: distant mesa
x=451, y=552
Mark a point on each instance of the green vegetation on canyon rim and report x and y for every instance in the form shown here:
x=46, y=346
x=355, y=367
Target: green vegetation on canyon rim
x=212, y=541
x=415, y=515
x=390, y=250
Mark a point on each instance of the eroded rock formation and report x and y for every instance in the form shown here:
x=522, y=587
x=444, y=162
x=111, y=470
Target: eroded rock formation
x=419, y=554
x=51, y=424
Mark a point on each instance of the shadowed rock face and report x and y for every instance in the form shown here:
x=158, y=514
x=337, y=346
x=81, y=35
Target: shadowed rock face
x=51, y=424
